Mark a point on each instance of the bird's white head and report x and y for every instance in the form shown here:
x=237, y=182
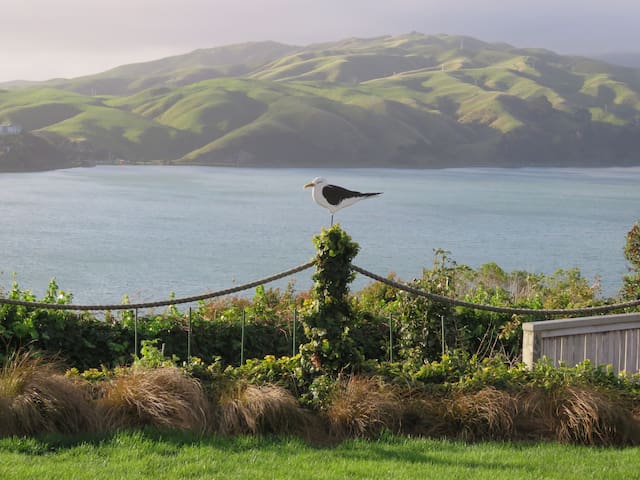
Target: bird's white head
x=316, y=182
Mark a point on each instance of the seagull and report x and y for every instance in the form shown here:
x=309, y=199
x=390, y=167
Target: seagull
x=333, y=197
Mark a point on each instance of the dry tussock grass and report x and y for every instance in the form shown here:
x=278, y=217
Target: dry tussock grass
x=592, y=417
x=535, y=419
x=579, y=415
x=7, y=419
x=484, y=415
x=251, y=409
x=363, y=407
x=35, y=398
x=161, y=397
x=423, y=415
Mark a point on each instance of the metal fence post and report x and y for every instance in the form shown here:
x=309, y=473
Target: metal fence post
x=390, y=338
x=442, y=327
x=242, y=339
x=293, y=334
x=189, y=338
x=135, y=333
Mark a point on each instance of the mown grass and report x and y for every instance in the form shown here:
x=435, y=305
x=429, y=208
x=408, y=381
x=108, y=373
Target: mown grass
x=152, y=454
x=65, y=427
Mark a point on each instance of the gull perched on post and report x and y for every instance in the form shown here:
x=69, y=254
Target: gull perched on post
x=333, y=197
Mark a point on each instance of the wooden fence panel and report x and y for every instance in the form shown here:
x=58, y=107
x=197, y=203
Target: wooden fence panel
x=604, y=340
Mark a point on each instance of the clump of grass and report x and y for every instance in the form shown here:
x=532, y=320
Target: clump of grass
x=251, y=409
x=35, y=398
x=591, y=417
x=484, y=415
x=423, y=415
x=363, y=407
x=160, y=397
x=535, y=419
x=7, y=419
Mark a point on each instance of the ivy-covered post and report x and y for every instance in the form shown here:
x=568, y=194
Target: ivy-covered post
x=330, y=349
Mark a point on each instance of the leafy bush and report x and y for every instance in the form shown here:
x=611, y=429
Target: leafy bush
x=80, y=340
x=286, y=372
x=631, y=282
x=337, y=331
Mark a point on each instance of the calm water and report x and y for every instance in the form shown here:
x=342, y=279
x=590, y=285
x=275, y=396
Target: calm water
x=148, y=231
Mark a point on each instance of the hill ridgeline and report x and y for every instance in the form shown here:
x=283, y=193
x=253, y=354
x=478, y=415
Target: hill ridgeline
x=409, y=101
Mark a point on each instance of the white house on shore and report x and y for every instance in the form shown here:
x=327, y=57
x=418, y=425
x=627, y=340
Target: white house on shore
x=10, y=129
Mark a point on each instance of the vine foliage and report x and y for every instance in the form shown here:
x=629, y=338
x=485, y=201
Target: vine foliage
x=331, y=349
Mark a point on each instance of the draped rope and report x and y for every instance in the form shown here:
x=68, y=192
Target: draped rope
x=400, y=286
x=490, y=308
x=162, y=303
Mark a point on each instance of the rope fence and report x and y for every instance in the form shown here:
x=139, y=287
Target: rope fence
x=134, y=307
x=162, y=303
x=491, y=308
x=400, y=286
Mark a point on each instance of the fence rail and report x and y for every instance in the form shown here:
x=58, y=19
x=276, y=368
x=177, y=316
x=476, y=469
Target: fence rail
x=604, y=340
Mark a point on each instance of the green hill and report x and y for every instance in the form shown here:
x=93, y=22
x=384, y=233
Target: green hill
x=29, y=153
x=394, y=101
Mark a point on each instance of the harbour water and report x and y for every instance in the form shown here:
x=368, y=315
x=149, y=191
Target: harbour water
x=146, y=231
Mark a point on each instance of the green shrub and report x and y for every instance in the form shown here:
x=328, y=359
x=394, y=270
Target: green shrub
x=631, y=282
x=338, y=332
x=286, y=372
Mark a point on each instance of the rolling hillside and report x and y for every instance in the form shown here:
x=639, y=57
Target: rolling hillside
x=395, y=101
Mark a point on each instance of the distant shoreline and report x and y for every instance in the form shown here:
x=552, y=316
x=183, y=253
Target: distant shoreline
x=320, y=167
x=330, y=167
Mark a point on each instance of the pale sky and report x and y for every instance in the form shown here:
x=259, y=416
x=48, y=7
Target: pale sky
x=42, y=39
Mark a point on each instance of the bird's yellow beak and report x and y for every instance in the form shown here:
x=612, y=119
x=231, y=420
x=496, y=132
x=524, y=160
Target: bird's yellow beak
x=309, y=185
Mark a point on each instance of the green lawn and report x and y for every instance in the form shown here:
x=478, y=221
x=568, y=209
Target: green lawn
x=173, y=456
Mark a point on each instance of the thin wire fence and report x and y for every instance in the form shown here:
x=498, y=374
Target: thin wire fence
x=244, y=338
x=135, y=307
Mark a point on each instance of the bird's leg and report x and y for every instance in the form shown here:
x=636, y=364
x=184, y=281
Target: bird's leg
x=332, y=219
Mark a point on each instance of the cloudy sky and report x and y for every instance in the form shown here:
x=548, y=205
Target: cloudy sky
x=42, y=39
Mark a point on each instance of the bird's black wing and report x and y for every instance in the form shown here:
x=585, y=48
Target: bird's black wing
x=335, y=194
